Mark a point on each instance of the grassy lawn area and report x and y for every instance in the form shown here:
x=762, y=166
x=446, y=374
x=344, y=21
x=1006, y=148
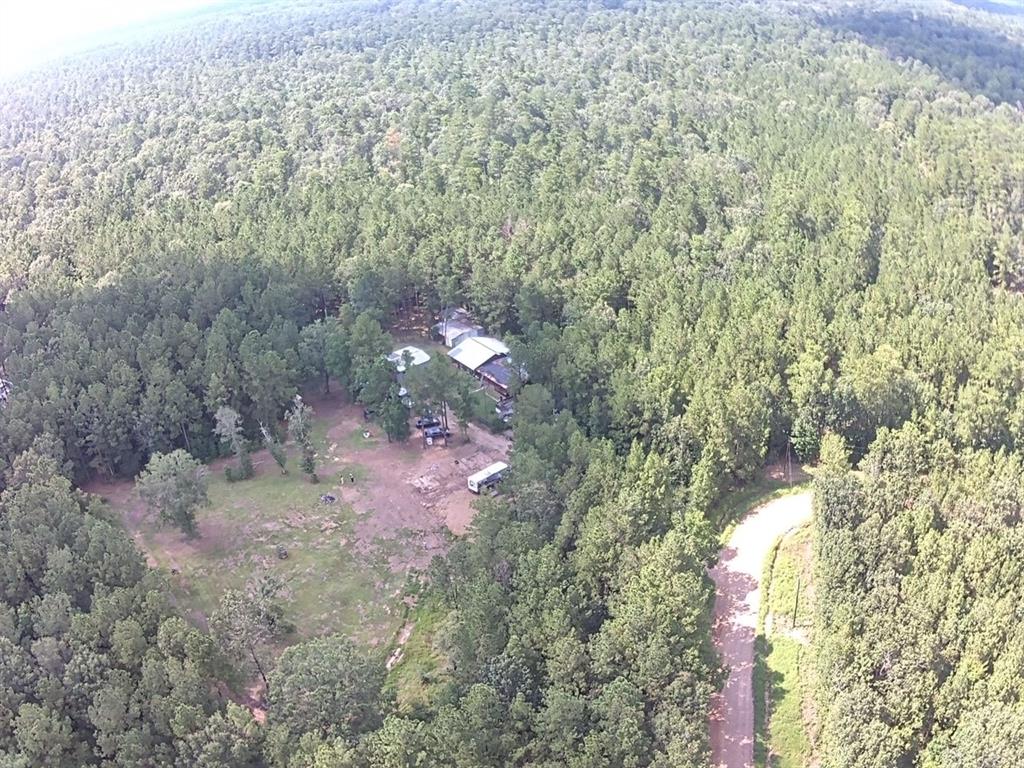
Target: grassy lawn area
x=331, y=583
x=329, y=586
x=420, y=673
x=783, y=670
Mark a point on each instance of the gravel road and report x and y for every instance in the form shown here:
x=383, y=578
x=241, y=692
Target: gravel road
x=737, y=602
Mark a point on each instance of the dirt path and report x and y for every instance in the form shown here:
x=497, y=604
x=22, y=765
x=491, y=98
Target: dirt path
x=737, y=602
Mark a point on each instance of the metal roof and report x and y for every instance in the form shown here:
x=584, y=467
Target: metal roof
x=498, y=372
x=473, y=352
x=455, y=329
x=459, y=315
x=497, y=346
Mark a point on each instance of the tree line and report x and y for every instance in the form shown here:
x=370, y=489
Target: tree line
x=919, y=594
x=710, y=231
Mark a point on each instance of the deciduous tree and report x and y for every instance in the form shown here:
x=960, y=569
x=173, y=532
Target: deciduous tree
x=174, y=487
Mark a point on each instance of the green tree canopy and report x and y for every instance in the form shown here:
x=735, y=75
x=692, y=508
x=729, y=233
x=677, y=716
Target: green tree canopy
x=173, y=485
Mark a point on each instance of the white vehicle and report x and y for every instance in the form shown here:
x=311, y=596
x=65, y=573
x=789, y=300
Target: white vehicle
x=487, y=476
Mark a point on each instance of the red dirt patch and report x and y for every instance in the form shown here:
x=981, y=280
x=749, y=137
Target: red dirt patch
x=409, y=495
x=412, y=491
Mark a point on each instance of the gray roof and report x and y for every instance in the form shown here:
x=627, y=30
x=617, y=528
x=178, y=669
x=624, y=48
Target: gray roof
x=498, y=371
x=453, y=329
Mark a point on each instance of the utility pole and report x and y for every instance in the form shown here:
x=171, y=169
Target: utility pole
x=796, y=602
x=789, y=463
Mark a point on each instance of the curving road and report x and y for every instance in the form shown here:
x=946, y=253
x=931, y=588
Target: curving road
x=737, y=602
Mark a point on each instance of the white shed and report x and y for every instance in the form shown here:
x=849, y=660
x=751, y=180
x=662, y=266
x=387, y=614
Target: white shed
x=419, y=357
x=456, y=326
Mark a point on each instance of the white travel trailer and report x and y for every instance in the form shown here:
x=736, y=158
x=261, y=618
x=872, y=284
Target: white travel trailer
x=487, y=476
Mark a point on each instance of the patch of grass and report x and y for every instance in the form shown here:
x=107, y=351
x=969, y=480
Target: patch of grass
x=788, y=745
x=782, y=668
x=318, y=435
x=355, y=438
x=791, y=579
x=484, y=413
x=767, y=576
x=329, y=585
x=415, y=680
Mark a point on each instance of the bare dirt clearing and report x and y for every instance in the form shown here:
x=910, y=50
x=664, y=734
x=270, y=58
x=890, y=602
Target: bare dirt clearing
x=411, y=490
x=397, y=506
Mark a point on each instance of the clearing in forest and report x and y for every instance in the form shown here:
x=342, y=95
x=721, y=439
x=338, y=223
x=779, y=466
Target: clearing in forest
x=348, y=562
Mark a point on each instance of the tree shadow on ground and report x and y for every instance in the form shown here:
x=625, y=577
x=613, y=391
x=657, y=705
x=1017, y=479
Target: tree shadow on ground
x=979, y=60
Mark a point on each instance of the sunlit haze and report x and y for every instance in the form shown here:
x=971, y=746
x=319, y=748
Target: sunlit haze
x=35, y=31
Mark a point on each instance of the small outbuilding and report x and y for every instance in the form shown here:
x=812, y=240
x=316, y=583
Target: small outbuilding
x=455, y=332
x=417, y=355
x=455, y=327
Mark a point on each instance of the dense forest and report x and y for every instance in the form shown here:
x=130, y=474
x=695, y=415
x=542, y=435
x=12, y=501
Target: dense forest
x=711, y=231
x=922, y=638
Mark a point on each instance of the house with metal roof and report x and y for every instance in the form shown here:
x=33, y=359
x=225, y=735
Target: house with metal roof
x=498, y=373
x=501, y=372
x=475, y=351
x=497, y=346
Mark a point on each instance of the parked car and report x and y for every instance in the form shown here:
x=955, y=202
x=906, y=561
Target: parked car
x=427, y=420
x=436, y=433
x=505, y=410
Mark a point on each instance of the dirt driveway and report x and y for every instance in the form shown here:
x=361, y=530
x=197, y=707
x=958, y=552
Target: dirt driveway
x=737, y=604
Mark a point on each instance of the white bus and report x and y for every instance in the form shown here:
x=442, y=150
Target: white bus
x=487, y=476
